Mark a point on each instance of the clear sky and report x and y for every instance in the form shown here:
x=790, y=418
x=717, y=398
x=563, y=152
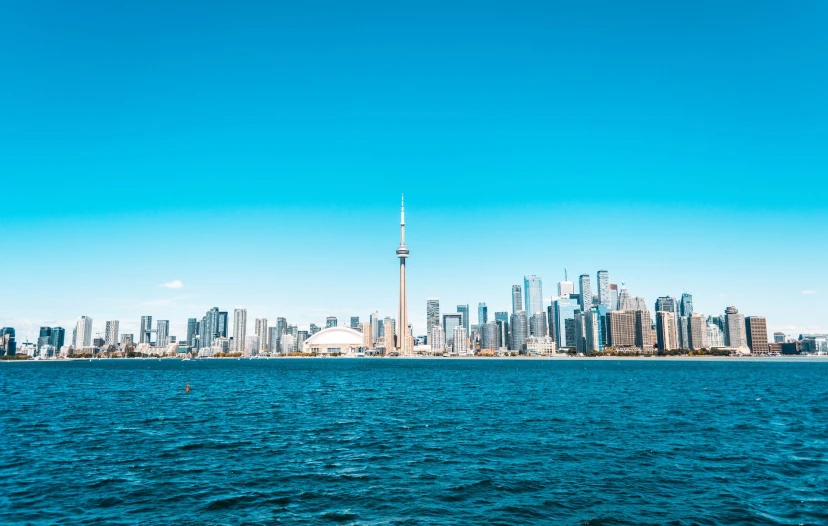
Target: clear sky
x=256, y=151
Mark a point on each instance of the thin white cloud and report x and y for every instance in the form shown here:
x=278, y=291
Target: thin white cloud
x=175, y=284
x=808, y=292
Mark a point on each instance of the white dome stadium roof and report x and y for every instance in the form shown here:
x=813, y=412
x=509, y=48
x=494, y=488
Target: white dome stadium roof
x=336, y=336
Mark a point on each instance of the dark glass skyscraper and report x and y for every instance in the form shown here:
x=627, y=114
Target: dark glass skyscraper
x=464, y=311
x=686, y=305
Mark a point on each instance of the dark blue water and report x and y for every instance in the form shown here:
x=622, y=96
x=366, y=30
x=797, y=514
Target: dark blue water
x=414, y=441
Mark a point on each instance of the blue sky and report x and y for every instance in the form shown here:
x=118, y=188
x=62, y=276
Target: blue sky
x=257, y=152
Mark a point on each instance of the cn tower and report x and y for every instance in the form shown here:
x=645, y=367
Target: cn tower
x=402, y=253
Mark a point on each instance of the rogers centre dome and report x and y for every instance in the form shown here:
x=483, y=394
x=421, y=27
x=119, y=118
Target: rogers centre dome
x=334, y=340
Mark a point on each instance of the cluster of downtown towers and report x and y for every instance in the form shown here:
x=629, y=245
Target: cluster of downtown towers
x=588, y=322
x=581, y=321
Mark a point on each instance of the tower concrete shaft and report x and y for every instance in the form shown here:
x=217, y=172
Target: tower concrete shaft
x=402, y=322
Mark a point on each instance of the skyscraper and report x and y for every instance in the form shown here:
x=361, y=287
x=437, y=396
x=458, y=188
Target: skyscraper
x=686, y=304
x=482, y=315
x=460, y=341
x=779, y=337
x=519, y=330
x=592, y=329
x=697, y=329
x=604, y=295
x=757, y=334
x=537, y=324
x=450, y=321
x=223, y=321
x=355, y=322
x=273, y=338
x=517, y=299
x=565, y=311
x=643, y=331
x=666, y=330
x=83, y=332
x=488, y=336
x=192, y=331
x=239, y=329
x=585, y=286
x=621, y=329
x=565, y=287
x=330, y=321
x=437, y=339
x=463, y=310
x=402, y=254
x=734, y=333
x=613, y=296
x=43, y=338
x=162, y=333
x=376, y=326
x=145, y=334
x=260, y=330
x=57, y=338
x=534, y=294
x=432, y=314
x=111, y=333
x=666, y=304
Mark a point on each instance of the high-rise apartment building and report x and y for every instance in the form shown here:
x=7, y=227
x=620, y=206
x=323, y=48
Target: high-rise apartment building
x=757, y=334
x=604, y=295
x=239, y=329
x=330, y=321
x=111, y=335
x=666, y=330
x=686, y=305
x=621, y=329
x=697, y=330
x=460, y=341
x=734, y=334
x=192, y=332
x=537, y=324
x=517, y=298
x=715, y=337
x=533, y=299
x=162, y=333
x=437, y=339
x=585, y=292
x=482, y=315
x=145, y=333
x=273, y=337
x=388, y=338
x=488, y=336
x=83, y=332
x=432, y=314
x=376, y=326
x=519, y=330
x=260, y=330
x=643, y=331
x=463, y=310
x=210, y=328
x=127, y=340
x=592, y=330
x=57, y=338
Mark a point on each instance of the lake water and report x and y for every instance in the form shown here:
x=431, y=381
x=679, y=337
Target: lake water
x=414, y=441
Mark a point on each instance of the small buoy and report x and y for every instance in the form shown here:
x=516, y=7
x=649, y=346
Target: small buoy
x=187, y=389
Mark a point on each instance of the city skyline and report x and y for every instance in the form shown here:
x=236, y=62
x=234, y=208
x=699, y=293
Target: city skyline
x=145, y=182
